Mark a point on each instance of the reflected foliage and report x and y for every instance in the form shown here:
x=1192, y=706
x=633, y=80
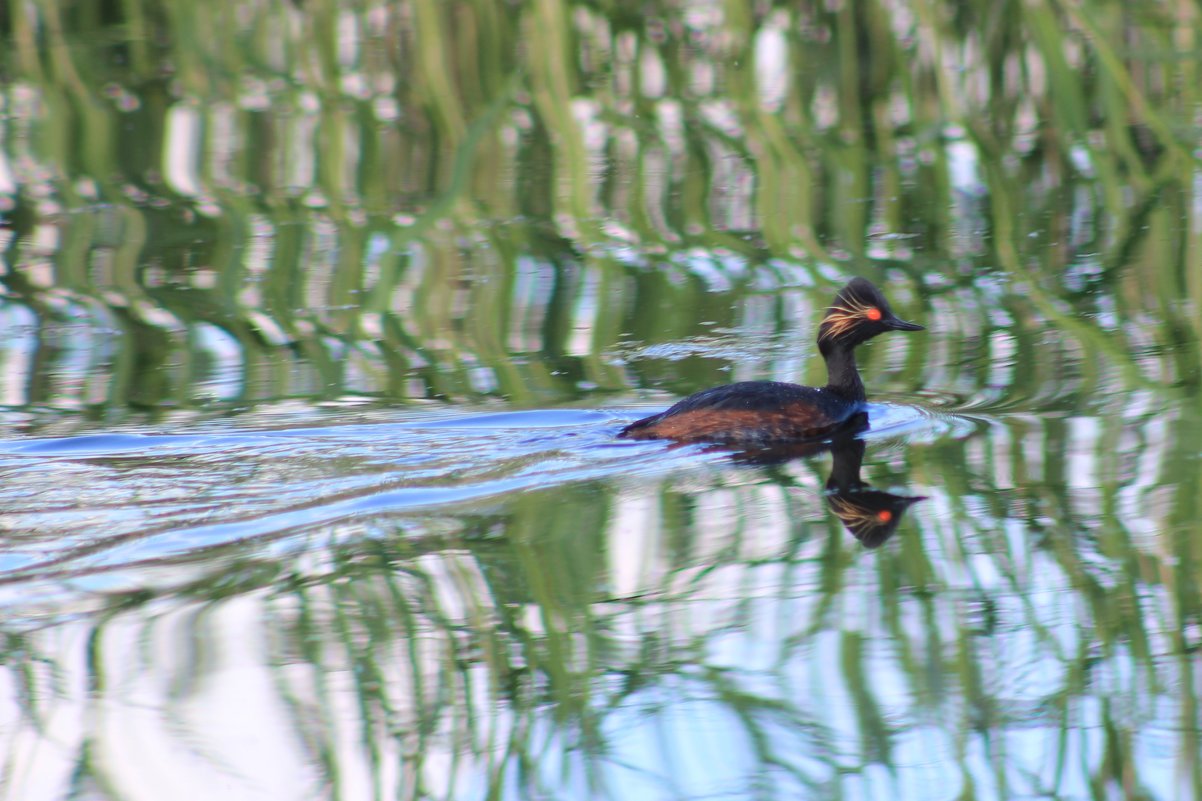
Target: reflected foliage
x=582, y=641
x=238, y=202
x=256, y=223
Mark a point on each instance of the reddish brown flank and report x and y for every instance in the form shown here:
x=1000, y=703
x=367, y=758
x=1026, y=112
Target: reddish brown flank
x=714, y=425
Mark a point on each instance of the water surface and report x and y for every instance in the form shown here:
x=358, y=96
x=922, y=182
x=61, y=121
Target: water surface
x=319, y=322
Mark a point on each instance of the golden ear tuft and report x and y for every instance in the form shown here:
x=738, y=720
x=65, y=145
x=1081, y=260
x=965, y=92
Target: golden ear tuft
x=842, y=318
x=852, y=514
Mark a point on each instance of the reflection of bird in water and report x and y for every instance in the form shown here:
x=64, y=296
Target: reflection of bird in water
x=870, y=515
x=761, y=414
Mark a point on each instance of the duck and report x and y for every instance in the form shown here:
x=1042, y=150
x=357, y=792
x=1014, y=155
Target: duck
x=762, y=414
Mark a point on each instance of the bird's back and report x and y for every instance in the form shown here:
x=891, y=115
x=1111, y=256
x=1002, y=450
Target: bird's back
x=749, y=412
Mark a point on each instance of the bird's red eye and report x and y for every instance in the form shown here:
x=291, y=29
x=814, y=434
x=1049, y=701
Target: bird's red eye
x=884, y=515
x=873, y=313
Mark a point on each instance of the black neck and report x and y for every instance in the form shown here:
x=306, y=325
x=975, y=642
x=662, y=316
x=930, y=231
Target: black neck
x=842, y=375
x=848, y=454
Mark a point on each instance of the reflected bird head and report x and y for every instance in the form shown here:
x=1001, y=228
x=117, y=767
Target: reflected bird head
x=870, y=515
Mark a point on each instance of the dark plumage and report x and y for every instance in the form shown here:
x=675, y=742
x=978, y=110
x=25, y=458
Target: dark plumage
x=870, y=515
x=757, y=413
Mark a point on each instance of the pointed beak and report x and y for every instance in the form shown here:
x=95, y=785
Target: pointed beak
x=902, y=325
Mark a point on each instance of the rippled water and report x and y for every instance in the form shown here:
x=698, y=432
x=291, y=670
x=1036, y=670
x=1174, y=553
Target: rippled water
x=319, y=321
x=76, y=506
x=246, y=584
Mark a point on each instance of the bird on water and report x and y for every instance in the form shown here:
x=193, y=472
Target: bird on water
x=761, y=413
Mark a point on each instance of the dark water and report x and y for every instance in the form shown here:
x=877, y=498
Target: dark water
x=319, y=321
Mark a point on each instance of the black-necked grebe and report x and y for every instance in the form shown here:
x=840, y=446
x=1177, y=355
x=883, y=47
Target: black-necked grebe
x=758, y=413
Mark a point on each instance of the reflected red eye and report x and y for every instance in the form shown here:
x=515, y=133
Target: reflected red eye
x=884, y=515
x=873, y=313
